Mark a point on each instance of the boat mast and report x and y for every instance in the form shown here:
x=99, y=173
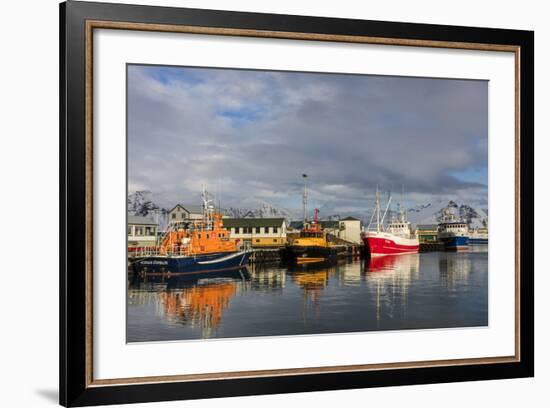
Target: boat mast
x=304, y=199
x=378, y=209
x=207, y=208
x=402, y=206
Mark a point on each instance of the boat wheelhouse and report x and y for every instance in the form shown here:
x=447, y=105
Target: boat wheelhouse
x=453, y=233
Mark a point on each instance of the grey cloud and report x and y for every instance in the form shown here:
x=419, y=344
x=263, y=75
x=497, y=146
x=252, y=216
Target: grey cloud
x=342, y=130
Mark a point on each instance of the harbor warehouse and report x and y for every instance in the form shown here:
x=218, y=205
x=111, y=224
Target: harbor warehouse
x=257, y=232
x=142, y=231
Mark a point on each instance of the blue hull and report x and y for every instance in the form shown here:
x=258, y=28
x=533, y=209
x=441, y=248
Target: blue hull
x=191, y=264
x=455, y=243
x=479, y=241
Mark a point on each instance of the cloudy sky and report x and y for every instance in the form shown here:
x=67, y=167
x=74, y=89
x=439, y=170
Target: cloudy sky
x=250, y=135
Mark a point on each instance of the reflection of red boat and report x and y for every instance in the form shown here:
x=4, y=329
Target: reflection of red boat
x=382, y=263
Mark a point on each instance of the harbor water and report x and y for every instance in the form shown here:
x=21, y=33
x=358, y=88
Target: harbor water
x=417, y=291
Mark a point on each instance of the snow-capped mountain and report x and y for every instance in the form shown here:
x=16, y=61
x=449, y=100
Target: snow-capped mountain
x=143, y=203
x=265, y=210
x=432, y=213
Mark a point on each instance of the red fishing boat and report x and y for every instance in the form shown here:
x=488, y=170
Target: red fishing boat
x=393, y=239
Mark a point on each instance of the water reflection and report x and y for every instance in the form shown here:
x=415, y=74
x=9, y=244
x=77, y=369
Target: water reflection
x=391, y=276
x=427, y=290
x=454, y=269
x=312, y=280
x=198, y=300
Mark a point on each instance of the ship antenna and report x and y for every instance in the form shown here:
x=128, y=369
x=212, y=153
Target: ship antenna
x=404, y=212
x=304, y=198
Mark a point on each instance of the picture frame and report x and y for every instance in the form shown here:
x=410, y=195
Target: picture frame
x=79, y=21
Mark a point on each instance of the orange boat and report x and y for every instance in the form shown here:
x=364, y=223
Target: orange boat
x=194, y=246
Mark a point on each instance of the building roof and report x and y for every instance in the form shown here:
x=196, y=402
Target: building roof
x=252, y=222
x=426, y=227
x=350, y=219
x=190, y=208
x=140, y=220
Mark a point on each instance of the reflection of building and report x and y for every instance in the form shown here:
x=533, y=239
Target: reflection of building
x=142, y=231
x=257, y=232
x=454, y=269
x=350, y=274
x=185, y=212
x=427, y=233
x=267, y=278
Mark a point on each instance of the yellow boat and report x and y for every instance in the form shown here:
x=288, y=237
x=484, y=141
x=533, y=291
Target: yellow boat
x=313, y=245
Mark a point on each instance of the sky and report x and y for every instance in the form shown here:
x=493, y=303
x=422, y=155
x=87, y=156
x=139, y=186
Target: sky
x=250, y=135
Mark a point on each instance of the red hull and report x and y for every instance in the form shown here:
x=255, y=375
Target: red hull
x=385, y=246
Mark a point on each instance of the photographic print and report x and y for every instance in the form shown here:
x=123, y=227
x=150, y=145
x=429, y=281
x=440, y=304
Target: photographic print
x=271, y=203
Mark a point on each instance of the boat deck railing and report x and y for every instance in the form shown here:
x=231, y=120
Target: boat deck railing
x=145, y=252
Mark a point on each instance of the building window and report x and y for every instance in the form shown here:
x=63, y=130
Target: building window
x=257, y=230
x=147, y=230
x=173, y=216
x=275, y=230
x=237, y=230
x=129, y=230
x=266, y=230
x=139, y=231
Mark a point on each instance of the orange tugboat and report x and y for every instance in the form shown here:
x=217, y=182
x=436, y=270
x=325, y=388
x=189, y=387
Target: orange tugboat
x=194, y=246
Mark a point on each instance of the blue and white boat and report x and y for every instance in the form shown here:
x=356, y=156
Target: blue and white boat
x=452, y=232
x=479, y=236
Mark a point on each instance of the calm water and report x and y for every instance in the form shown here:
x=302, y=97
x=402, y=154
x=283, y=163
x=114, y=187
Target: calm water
x=428, y=290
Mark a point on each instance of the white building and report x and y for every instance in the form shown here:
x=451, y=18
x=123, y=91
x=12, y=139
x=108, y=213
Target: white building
x=142, y=231
x=350, y=229
x=185, y=212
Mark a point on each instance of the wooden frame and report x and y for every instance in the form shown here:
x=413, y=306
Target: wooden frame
x=77, y=22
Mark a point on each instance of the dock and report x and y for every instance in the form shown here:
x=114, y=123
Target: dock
x=266, y=255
